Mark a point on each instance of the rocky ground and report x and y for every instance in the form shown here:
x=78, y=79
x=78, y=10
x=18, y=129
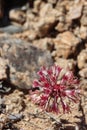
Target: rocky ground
x=42, y=32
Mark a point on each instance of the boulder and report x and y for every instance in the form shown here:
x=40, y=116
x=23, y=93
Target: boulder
x=24, y=61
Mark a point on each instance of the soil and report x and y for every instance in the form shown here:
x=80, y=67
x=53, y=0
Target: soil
x=42, y=32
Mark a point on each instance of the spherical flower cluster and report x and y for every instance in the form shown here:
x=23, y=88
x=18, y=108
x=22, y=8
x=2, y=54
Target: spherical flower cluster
x=55, y=88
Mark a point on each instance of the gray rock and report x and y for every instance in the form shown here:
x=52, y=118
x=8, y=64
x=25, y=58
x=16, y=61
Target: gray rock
x=23, y=62
x=11, y=29
x=15, y=117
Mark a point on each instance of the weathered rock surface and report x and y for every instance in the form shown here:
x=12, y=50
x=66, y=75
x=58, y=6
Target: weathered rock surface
x=84, y=16
x=23, y=62
x=45, y=21
x=11, y=29
x=44, y=44
x=81, y=32
x=75, y=12
x=82, y=63
x=82, y=59
x=65, y=44
x=17, y=16
x=83, y=73
x=66, y=63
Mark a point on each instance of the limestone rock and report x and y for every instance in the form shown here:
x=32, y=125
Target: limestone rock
x=28, y=35
x=48, y=18
x=65, y=44
x=45, y=25
x=82, y=59
x=70, y=63
x=81, y=32
x=45, y=21
x=52, y=1
x=44, y=44
x=38, y=4
x=83, y=73
x=84, y=20
x=75, y=12
x=17, y=16
x=84, y=16
x=63, y=26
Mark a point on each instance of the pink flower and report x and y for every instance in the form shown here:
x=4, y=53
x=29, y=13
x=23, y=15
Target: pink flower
x=56, y=88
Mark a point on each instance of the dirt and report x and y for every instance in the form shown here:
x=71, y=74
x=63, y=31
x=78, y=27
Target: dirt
x=42, y=32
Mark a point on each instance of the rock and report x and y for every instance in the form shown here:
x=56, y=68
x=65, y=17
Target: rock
x=83, y=83
x=84, y=16
x=61, y=5
x=7, y=38
x=44, y=44
x=3, y=67
x=83, y=73
x=46, y=9
x=63, y=26
x=28, y=35
x=82, y=59
x=16, y=15
x=15, y=117
x=65, y=44
x=84, y=20
x=68, y=38
x=38, y=4
x=30, y=20
x=64, y=63
x=11, y=29
x=24, y=62
x=81, y=32
x=45, y=21
x=74, y=12
x=52, y=1
x=45, y=25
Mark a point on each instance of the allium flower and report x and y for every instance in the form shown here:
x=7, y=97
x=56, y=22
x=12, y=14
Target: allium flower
x=56, y=88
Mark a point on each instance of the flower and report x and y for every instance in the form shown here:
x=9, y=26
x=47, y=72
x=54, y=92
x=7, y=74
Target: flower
x=56, y=87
